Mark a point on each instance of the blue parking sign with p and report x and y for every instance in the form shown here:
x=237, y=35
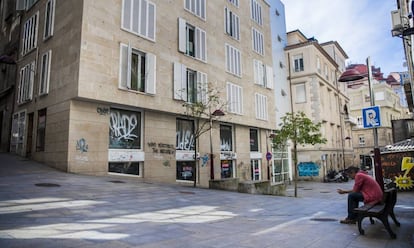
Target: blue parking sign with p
x=371, y=117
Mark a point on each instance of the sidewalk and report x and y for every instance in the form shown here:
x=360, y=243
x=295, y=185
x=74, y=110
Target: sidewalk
x=42, y=207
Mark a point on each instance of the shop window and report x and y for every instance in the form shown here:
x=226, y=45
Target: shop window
x=41, y=130
x=124, y=129
x=227, y=169
x=254, y=140
x=185, y=139
x=226, y=138
x=130, y=168
x=256, y=170
x=185, y=170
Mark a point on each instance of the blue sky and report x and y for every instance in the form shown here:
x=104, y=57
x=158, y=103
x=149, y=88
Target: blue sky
x=361, y=27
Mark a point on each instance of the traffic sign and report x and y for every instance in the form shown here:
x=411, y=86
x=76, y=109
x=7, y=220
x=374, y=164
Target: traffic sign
x=268, y=156
x=371, y=117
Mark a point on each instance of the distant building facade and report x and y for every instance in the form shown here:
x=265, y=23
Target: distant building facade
x=313, y=72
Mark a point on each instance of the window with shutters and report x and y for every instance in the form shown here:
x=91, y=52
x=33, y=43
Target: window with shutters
x=257, y=39
x=300, y=93
x=261, y=106
x=137, y=70
x=234, y=98
x=192, y=40
x=45, y=72
x=138, y=17
x=232, y=24
x=29, y=41
x=197, y=7
x=263, y=74
x=49, y=19
x=189, y=85
x=25, y=89
x=233, y=60
x=256, y=12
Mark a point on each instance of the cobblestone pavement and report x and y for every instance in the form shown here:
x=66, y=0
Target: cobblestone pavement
x=42, y=207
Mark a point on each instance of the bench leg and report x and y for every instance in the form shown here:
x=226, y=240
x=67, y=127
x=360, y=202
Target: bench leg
x=384, y=220
x=359, y=220
x=394, y=219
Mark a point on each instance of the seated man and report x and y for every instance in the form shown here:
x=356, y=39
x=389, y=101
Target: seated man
x=365, y=189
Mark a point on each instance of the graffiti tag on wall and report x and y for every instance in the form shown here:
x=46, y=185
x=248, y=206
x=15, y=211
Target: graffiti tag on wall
x=124, y=129
x=81, y=145
x=162, y=148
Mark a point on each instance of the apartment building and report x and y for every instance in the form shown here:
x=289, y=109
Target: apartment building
x=9, y=44
x=390, y=109
x=313, y=72
x=101, y=87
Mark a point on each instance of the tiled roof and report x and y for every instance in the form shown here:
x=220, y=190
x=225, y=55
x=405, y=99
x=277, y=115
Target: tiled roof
x=402, y=146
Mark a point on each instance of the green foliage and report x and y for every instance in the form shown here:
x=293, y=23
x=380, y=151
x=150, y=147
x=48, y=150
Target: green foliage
x=298, y=128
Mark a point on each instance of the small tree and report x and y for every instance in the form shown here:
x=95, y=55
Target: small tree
x=299, y=129
x=201, y=111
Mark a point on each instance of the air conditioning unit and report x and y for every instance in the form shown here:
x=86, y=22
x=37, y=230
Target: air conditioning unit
x=397, y=26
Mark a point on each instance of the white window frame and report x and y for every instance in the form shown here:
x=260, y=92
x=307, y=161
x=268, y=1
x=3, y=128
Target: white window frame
x=44, y=76
x=30, y=29
x=49, y=19
x=261, y=106
x=298, y=64
x=26, y=81
x=234, y=2
x=256, y=12
x=256, y=163
x=181, y=84
x=234, y=98
x=263, y=74
x=200, y=40
x=231, y=24
x=233, y=60
x=196, y=7
x=125, y=69
x=300, y=90
x=257, y=41
x=139, y=18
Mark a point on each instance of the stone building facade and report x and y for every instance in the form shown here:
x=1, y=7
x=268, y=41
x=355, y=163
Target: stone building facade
x=314, y=69
x=101, y=87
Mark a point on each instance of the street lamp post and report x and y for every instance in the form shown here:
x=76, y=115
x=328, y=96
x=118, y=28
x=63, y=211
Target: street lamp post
x=353, y=75
x=216, y=112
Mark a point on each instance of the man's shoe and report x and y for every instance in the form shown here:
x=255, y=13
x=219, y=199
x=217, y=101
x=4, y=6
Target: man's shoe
x=347, y=221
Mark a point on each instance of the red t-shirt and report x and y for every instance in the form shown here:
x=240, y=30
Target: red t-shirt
x=368, y=187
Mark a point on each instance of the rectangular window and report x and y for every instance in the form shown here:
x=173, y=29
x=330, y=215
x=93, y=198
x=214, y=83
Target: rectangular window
x=49, y=19
x=256, y=11
x=185, y=139
x=18, y=131
x=28, y=3
x=234, y=2
x=232, y=24
x=281, y=165
x=261, y=106
x=254, y=140
x=263, y=74
x=256, y=171
x=197, y=7
x=234, y=98
x=326, y=72
x=25, y=90
x=29, y=41
x=185, y=170
x=227, y=169
x=41, y=130
x=125, y=129
x=360, y=121
x=361, y=140
x=192, y=40
x=138, y=17
x=257, y=39
x=233, y=60
x=298, y=63
x=45, y=73
x=137, y=70
x=300, y=93
x=226, y=138
x=129, y=168
x=318, y=64
x=189, y=85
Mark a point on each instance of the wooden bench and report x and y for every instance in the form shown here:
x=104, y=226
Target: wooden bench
x=380, y=211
